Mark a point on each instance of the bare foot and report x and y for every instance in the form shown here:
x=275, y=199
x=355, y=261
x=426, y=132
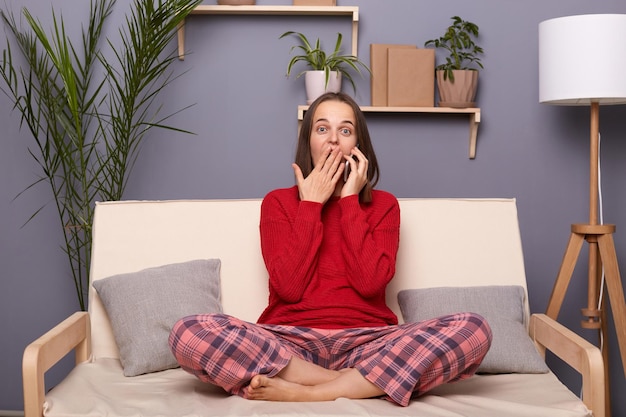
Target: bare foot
x=302, y=372
x=275, y=389
x=349, y=384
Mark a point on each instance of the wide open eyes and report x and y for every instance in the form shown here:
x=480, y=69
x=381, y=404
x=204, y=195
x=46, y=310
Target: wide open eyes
x=343, y=131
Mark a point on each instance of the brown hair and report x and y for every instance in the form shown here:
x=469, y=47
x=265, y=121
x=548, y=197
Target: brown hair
x=304, y=158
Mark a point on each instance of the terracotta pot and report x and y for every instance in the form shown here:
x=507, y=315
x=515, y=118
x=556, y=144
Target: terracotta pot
x=461, y=93
x=314, y=83
x=236, y=2
x=314, y=2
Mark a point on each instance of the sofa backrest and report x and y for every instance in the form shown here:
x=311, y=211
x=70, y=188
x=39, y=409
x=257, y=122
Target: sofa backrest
x=443, y=242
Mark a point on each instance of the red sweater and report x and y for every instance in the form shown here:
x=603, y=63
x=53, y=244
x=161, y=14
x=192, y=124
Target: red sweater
x=329, y=264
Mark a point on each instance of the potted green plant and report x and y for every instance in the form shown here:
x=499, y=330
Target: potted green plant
x=457, y=77
x=88, y=111
x=236, y=2
x=325, y=70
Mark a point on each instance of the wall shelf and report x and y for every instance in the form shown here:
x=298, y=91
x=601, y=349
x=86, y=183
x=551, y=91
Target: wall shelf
x=353, y=11
x=204, y=9
x=473, y=112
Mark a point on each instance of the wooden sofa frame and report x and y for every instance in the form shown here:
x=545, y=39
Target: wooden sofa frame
x=74, y=334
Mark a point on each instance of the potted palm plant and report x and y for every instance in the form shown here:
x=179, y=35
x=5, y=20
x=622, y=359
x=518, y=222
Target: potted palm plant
x=457, y=78
x=88, y=128
x=325, y=70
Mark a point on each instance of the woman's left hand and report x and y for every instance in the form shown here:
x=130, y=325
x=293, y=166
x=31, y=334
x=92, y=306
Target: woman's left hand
x=358, y=173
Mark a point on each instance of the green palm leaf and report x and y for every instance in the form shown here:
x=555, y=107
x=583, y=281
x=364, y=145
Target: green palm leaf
x=87, y=135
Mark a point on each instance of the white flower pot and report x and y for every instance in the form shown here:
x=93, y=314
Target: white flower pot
x=314, y=83
x=236, y=2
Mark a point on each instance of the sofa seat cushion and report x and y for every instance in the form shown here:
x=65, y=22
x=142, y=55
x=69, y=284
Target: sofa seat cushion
x=100, y=388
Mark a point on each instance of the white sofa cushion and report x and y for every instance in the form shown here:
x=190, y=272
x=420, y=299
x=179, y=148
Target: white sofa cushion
x=144, y=305
x=443, y=242
x=503, y=308
x=100, y=389
x=134, y=235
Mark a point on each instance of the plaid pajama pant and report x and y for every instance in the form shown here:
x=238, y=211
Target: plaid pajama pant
x=404, y=360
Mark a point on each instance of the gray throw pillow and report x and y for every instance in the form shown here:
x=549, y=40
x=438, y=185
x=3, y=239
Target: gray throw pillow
x=143, y=306
x=512, y=350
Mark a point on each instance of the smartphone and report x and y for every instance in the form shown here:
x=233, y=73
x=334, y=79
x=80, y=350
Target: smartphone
x=346, y=170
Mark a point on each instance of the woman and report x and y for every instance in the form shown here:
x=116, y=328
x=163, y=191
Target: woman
x=329, y=244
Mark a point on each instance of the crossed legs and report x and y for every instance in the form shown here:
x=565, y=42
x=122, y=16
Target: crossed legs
x=286, y=363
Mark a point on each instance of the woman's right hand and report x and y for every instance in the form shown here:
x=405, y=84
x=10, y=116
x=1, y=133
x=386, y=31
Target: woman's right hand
x=321, y=183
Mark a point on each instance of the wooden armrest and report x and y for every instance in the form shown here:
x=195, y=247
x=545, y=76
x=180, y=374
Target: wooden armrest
x=577, y=352
x=47, y=350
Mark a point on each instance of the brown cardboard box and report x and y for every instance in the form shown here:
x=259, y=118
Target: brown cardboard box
x=314, y=2
x=378, y=66
x=411, y=77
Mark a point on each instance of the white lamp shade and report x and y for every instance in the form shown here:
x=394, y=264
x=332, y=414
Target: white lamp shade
x=582, y=59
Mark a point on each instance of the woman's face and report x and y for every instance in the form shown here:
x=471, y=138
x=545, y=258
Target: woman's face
x=334, y=126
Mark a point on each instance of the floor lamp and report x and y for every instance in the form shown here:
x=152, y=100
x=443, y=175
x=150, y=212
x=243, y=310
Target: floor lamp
x=582, y=62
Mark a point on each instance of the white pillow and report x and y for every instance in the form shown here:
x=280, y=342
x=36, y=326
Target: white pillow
x=143, y=306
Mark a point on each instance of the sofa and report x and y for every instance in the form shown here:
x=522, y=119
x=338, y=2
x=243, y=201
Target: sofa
x=153, y=261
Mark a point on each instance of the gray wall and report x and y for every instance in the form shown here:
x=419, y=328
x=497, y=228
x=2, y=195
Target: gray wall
x=245, y=123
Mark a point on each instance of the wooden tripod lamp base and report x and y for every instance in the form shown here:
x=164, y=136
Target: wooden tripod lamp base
x=601, y=254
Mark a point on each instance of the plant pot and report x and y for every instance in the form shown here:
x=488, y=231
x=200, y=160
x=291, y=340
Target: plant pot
x=314, y=83
x=461, y=93
x=314, y=2
x=236, y=2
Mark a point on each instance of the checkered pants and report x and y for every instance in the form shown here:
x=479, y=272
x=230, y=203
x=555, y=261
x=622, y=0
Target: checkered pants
x=403, y=361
